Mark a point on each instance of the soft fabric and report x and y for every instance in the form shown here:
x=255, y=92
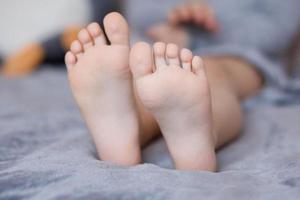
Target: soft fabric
x=261, y=32
x=258, y=31
x=46, y=153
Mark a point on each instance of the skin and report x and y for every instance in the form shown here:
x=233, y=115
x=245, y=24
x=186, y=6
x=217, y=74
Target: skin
x=189, y=105
x=102, y=85
x=197, y=14
x=228, y=91
x=180, y=101
x=223, y=72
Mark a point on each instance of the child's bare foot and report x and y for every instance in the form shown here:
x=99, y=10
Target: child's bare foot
x=101, y=83
x=179, y=99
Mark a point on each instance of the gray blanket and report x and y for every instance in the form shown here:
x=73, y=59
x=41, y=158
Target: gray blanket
x=257, y=31
x=46, y=153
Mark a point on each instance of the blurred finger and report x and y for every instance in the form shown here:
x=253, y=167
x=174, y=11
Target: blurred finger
x=180, y=14
x=211, y=22
x=185, y=13
x=199, y=14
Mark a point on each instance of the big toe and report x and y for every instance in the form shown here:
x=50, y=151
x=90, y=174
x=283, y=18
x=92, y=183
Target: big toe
x=116, y=28
x=141, y=60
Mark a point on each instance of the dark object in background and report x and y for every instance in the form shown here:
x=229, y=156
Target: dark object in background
x=52, y=50
x=56, y=47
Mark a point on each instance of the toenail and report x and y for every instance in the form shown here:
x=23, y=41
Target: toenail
x=83, y=36
x=160, y=48
x=94, y=29
x=172, y=51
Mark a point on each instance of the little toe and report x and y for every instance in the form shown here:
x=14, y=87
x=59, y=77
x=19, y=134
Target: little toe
x=77, y=49
x=186, y=59
x=96, y=32
x=172, y=54
x=85, y=39
x=198, y=65
x=159, y=49
x=141, y=60
x=70, y=60
x=116, y=28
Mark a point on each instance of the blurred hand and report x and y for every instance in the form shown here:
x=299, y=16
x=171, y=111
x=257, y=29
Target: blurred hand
x=169, y=34
x=200, y=14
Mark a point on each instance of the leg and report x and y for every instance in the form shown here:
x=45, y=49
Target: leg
x=223, y=79
x=101, y=83
x=228, y=90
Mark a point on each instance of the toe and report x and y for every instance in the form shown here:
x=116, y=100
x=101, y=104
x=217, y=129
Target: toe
x=85, y=39
x=172, y=54
x=159, y=49
x=96, y=33
x=77, y=49
x=186, y=59
x=70, y=60
x=198, y=65
x=141, y=60
x=212, y=24
x=116, y=29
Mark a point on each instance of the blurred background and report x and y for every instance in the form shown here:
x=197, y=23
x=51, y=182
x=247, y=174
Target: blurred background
x=34, y=31
x=44, y=143
x=24, y=22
